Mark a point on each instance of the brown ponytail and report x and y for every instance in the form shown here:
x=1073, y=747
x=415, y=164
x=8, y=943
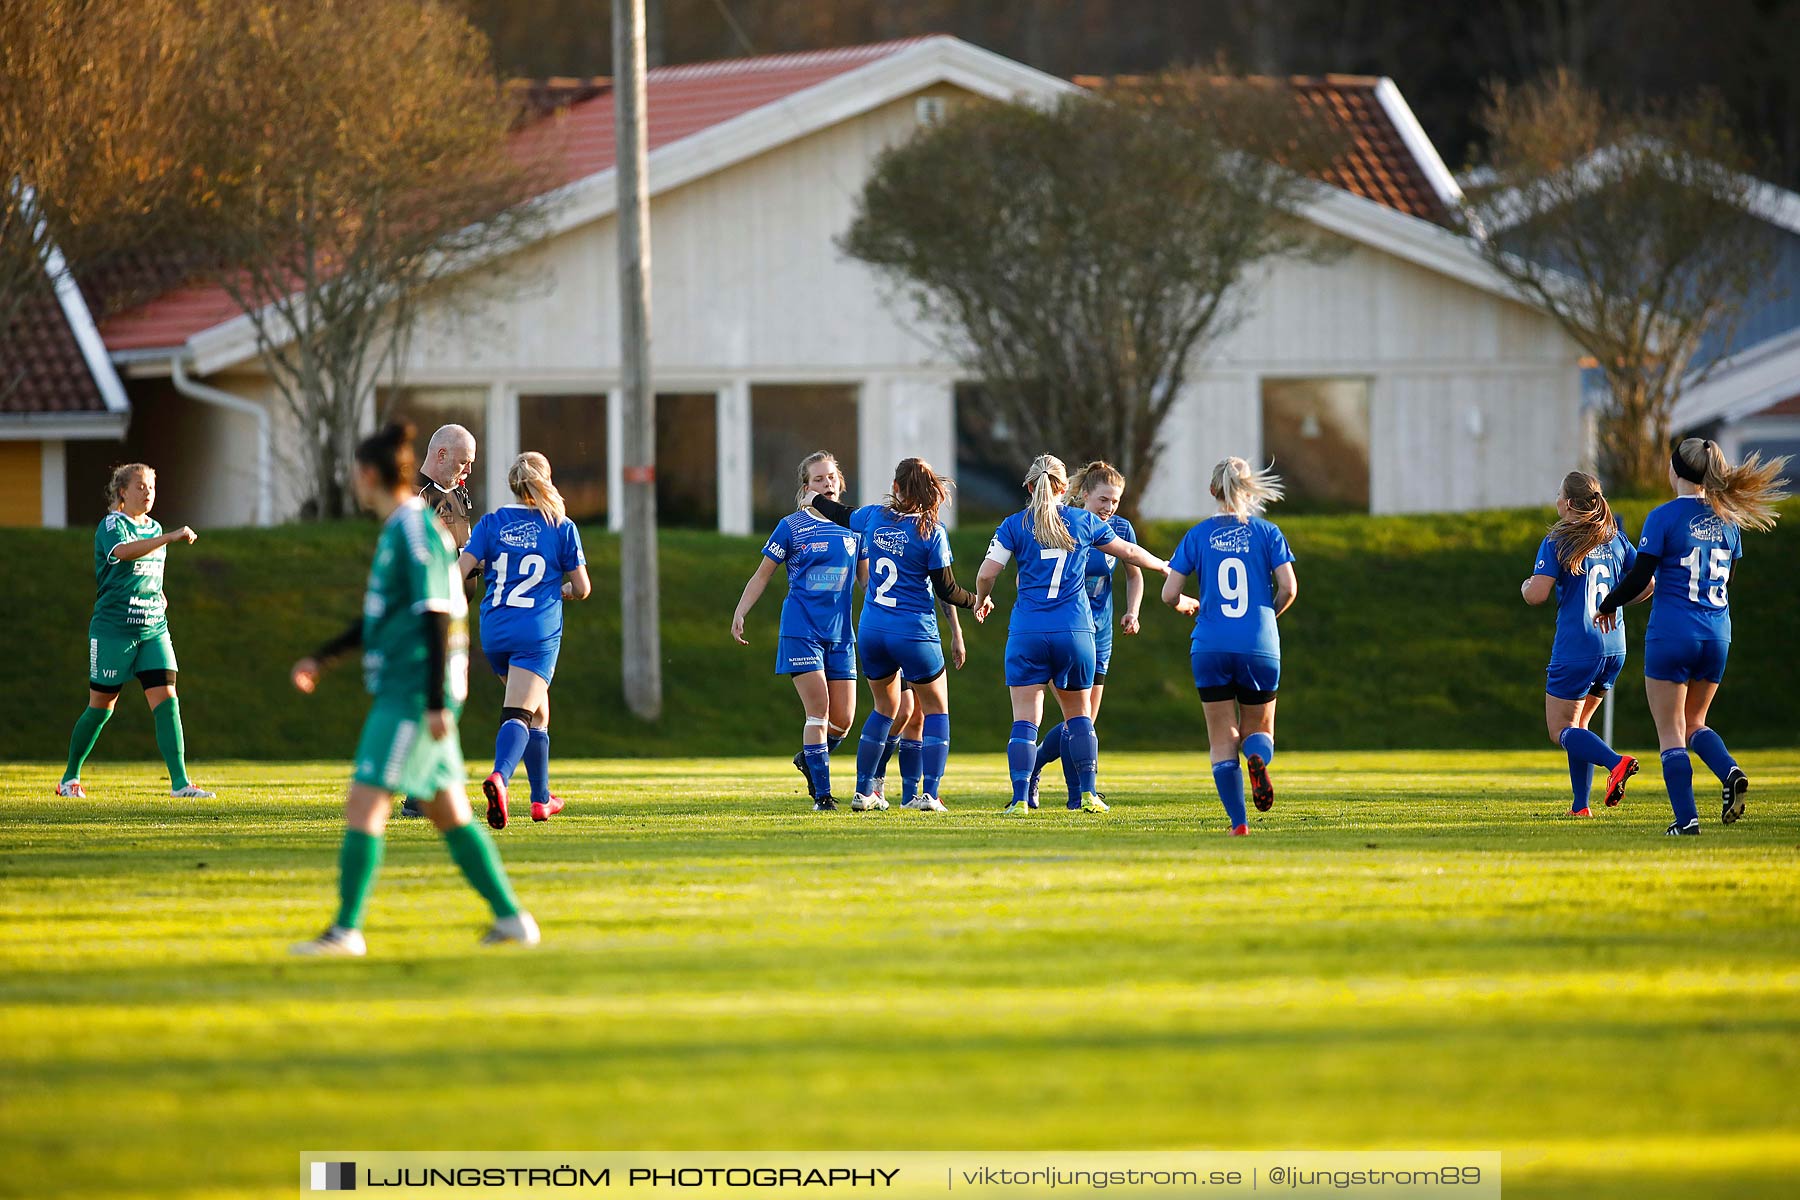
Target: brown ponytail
x=1744, y=495
x=919, y=490
x=1589, y=525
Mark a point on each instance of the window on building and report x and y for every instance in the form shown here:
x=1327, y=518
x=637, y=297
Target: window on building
x=789, y=422
x=430, y=408
x=571, y=432
x=991, y=458
x=1317, y=431
x=687, y=459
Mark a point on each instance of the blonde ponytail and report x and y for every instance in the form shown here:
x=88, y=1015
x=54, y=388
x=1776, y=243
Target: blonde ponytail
x=529, y=479
x=1589, y=525
x=1744, y=495
x=1046, y=523
x=1243, y=491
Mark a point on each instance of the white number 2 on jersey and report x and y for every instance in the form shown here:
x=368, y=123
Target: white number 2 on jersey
x=531, y=573
x=1061, y=557
x=1718, y=566
x=887, y=572
x=1234, y=586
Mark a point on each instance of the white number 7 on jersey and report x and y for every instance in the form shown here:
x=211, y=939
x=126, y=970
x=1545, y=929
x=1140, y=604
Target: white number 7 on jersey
x=1061, y=557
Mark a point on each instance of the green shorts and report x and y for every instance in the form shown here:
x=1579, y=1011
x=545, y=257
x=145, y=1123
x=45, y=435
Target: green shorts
x=114, y=659
x=396, y=754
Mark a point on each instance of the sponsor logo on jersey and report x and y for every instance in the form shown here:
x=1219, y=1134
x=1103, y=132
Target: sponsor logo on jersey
x=775, y=551
x=1707, y=528
x=827, y=579
x=892, y=540
x=521, y=535
x=1230, y=539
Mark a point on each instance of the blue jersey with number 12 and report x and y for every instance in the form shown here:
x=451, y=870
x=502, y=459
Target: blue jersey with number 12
x=1051, y=596
x=524, y=558
x=1694, y=551
x=1233, y=563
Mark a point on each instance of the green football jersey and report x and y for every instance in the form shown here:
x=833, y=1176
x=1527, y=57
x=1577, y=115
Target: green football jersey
x=414, y=573
x=128, y=596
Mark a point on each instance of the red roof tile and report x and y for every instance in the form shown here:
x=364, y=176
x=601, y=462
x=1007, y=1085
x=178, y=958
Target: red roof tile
x=680, y=102
x=42, y=369
x=1377, y=163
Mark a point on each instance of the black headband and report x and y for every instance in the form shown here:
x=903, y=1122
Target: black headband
x=1680, y=465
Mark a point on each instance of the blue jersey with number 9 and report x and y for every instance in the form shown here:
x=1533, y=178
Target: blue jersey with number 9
x=524, y=558
x=1694, y=551
x=1233, y=563
x=1052, y=595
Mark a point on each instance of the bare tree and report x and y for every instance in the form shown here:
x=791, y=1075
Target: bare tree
x=1077, y=258
x=1635, y=229
x=94, y=99
x=356, y=154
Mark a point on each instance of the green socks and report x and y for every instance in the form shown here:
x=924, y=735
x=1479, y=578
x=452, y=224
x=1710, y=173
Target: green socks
x=474, y=852
x=358, y=860
x=170, y=742
x=81, y=742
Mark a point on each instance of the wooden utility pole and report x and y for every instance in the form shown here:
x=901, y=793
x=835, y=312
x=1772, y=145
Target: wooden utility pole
x=638, y=588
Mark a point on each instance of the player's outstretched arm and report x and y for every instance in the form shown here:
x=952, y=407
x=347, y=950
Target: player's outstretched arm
x=1136, y=555
x=129, y=551
x=753, y=591
x=305, y=673
x=831, y=510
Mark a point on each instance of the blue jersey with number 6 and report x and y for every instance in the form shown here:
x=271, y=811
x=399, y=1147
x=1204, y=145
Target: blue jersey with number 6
x=1233, y=563
x=898, y=599
x=1694, y=551
x=524, y=558
x=1578, y=597
x=1052, y=598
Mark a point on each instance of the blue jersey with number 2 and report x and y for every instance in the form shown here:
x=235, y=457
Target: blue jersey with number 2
x=1578, y=597
x=1051, y=596
x=1233, y=563
x=1694, y=551
x=524, y=558
x=898, y=599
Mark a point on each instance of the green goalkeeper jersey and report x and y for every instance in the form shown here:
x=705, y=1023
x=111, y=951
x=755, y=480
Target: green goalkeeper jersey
x=414, y=573
x=128, y=596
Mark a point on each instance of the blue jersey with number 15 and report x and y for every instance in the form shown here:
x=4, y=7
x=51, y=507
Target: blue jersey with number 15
x=524, y=558
x=1233, y=563
x=1694, y=551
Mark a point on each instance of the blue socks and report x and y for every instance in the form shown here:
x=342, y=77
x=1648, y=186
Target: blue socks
x=1711, y=749
x=1678, y=777
x=912, y=752
x=1586, y=751
x=818, y=767
x=1228, y=778
x=1261, y=745
x=1082, y=749
x=509, y=746
x=1021, y=756
x=537, y=765
x=936, y=751
x=1050, y=751
x=887, y=753
x=871, y=751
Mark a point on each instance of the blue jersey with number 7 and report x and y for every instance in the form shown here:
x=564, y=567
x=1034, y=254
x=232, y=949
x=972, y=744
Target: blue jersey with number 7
x=1694, y=551
x=524, y=558
x=1052, y=598
x=1233, y=563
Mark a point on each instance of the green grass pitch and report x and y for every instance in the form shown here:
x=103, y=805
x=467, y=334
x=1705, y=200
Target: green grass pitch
x=1412, y=951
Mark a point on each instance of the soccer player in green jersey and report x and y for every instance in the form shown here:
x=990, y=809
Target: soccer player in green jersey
x=128, y=636
x=414, y=632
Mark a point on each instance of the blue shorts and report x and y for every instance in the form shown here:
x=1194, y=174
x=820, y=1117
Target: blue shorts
x=1233, y=675
x=1103, y=640
x=919, y=660
x=1676, y=660
x=540, y=660
x=1581, y=677
x=797, y=656
x=1064, y=659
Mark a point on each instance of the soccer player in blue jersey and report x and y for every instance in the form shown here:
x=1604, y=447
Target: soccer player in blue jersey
x=1097, y=487
x=1246, y=580
x=1690, y=547
x=907, y=557
x=530, y=553
x=817, y=646
x=1585, y=553
x=1050, y=637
